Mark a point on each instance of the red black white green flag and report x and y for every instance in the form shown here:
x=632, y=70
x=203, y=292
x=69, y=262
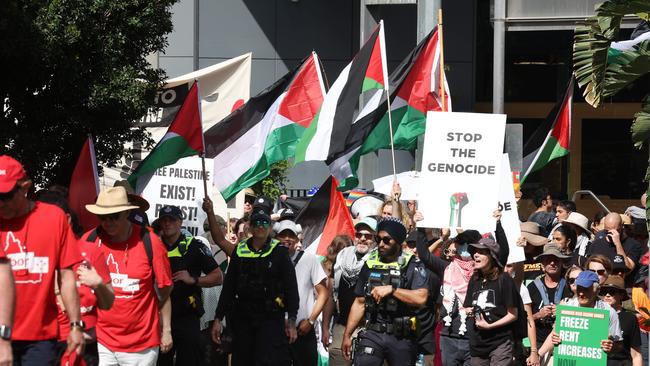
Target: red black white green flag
x=325, y=216
x=183, y=138
x=336, y=130
x=415, y=89
x=551, y=140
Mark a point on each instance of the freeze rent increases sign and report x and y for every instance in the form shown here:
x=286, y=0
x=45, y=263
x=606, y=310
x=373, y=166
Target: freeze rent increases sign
x=461, y=166
x=180, y=185
x=581, y=330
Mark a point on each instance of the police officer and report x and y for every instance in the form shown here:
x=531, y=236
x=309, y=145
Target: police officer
x=259, y=289
x=188, y=259
x=391, y=287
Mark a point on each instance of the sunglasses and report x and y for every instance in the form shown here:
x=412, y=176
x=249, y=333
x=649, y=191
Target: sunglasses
x=261, y=223
x=109, y=217
x=571, y=280
x=386, y=239
x=600, y=272
x=609, y=291
x=9, y=195
x=364, y=236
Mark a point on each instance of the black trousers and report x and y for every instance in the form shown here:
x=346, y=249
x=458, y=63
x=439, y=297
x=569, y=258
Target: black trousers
x=34, y=353
x=304, y=351
x=374, y=348
x=259, y=341
x=186, y=334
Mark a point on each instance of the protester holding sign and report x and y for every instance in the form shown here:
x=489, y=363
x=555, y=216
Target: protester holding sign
x=548, y=290
x=588, y=287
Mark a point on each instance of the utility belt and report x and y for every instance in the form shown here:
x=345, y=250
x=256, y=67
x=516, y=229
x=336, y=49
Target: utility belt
x=261, y=306
x=401, y=327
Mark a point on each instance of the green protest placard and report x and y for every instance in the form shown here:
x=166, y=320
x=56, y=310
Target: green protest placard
x=581, y=330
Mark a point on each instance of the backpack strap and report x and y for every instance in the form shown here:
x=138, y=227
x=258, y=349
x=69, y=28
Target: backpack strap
x=542, y=291
x=298, y=256
x=559, y=291
x=93, y=235
x=146, y=240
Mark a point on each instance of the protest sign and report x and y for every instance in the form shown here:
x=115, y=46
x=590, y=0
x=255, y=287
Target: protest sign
x=510, y=213
x=461, y=167
x=223, y=87
x=179, y=185
x=581, y=330
x=408, y=182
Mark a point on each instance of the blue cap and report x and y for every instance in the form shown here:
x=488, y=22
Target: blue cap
x=586, y=279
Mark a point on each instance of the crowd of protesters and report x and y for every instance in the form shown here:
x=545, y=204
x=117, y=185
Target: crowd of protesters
x=130, y=293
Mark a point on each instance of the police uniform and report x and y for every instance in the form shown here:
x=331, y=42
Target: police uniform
x=188, y=254
x=259, y=288
x=391, y=326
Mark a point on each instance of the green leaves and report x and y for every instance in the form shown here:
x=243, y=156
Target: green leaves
x=77, y=67
x=640, y=129
x=590, y=60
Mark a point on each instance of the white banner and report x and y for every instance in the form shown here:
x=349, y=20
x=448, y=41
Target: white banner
x=461, y=167
x=181, y=185
x=223, y=87
x=510, y=213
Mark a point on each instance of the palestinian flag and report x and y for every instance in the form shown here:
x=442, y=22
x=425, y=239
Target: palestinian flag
x=617, y=50
x=183, y=138
x=415, y=90
x=551, y=139
x=266, y=129
x=84, y=185
x=335, y=128
x=324, y=217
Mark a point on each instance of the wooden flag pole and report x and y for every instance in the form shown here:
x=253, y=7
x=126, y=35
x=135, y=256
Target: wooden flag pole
x=442, y=63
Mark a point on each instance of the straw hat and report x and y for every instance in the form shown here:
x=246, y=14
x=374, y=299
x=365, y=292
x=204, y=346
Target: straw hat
x=530, y=231
x=552, y=249
x=135, y=199
x=111, y=200
x=579, y=220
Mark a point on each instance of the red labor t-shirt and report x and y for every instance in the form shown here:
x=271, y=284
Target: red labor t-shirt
x=93, y=254
x=132, y=324
x=37, y=244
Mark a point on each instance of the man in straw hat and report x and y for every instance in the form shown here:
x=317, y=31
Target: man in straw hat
x=38, y=241
x=548, y=290
x=129, y=333
x=613, y=292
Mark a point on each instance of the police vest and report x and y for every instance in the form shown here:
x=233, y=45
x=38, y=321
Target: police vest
x=258, y=290
x=189, y=300
x=386, y=274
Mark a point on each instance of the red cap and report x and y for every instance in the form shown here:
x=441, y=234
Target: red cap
x=11, y=171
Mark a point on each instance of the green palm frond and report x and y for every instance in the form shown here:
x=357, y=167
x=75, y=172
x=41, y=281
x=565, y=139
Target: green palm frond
x=641, y=126
x=590, y=59
x=631, y=66
x=619, y=8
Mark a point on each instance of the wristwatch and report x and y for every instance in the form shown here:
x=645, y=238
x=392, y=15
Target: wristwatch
x=80, y=324
x=5, y=332
x=311, y=322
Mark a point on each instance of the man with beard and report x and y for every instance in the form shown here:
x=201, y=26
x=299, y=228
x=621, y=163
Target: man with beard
x=391, y=287
x=346, y=272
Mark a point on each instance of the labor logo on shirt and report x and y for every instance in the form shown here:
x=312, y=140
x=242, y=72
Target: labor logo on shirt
x=27, y=267
x=126, y=286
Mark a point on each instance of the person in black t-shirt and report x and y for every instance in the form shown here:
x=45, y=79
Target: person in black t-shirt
x=188, y=259
x=547, y=291
x=613, y=292
x=493, y=297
